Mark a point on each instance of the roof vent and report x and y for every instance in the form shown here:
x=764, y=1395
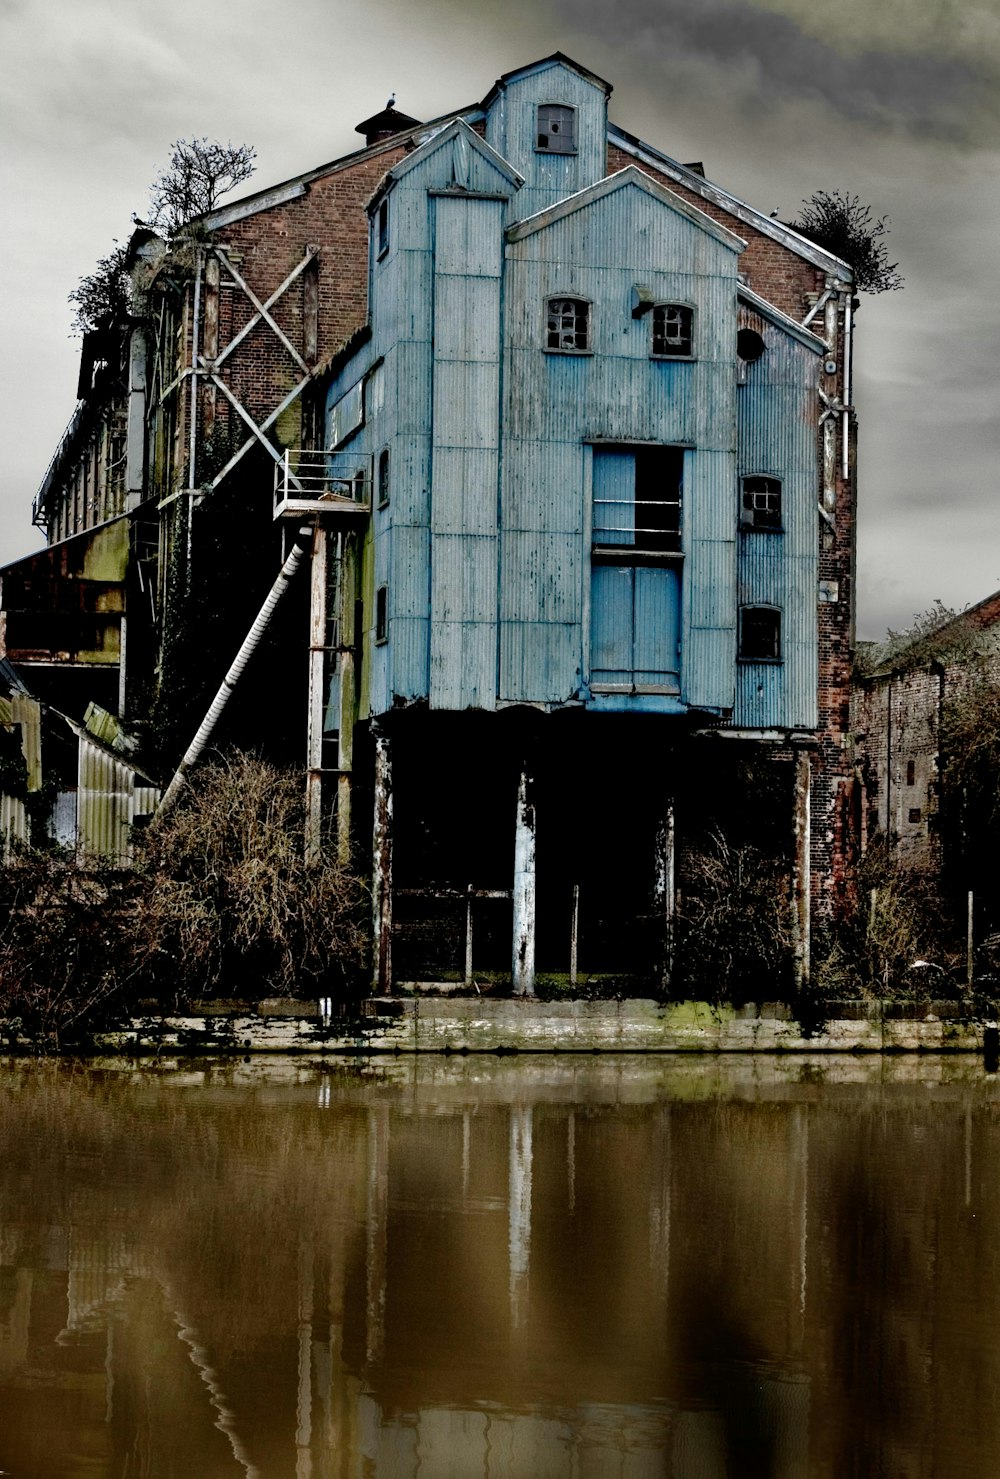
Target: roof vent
x=386, y=124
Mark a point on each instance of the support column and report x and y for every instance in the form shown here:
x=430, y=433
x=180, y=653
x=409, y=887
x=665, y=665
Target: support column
x=801, y=871
x=664, y=891
x=523, y=966
x=382, y=868
x=317, y=696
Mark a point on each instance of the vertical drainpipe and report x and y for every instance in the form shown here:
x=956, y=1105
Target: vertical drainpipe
x=523, y=965
x=801, y=871
x=382, y=868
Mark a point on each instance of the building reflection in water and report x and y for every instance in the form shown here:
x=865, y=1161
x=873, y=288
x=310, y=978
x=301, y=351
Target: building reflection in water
x=479, y=1268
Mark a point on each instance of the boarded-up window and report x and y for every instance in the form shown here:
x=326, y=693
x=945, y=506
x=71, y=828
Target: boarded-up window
x=346, y=416
x=556, y=129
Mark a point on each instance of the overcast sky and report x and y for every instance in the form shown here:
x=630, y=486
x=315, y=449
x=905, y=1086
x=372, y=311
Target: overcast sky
x=895, y=100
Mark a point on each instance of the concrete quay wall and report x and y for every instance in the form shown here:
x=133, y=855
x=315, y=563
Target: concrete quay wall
x=463, y=1025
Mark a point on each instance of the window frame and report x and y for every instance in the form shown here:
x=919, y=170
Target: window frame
x=381, y=615
x=646, y=552
x=688, y=308
x=570, y=112
x=748, y=657
x=750, y=525
x=567, y=298
x=382, y=229
x=382, y=489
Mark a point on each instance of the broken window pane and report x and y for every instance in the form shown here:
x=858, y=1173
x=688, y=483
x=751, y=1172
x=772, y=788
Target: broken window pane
x=672, y=330
x=382, y=613
x=556, y=129
x=761, y=503
x=568, y=324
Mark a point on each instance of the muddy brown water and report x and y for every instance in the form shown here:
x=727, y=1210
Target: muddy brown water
x=597, y=1268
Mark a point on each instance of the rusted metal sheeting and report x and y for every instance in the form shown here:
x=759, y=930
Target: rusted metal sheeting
x=110, y=796
x=777, y=438
x=511, y=122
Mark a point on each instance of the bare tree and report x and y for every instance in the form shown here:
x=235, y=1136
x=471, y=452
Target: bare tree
x=845, y=227
x=200, y=172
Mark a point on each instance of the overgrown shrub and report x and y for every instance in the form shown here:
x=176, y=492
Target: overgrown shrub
x=734, y=923
x=896, y=941
x=230, y=903
x=220, y=902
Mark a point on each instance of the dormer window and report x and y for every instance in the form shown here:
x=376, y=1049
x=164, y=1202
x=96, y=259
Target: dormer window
x=673, y=331
x=382, y=229
x=556, y=133
x=568, y=325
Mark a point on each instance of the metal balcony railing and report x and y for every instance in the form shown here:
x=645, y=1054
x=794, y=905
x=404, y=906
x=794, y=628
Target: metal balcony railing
x=322, y=482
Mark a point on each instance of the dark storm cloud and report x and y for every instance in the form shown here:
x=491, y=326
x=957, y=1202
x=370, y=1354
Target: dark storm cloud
x=934, y=83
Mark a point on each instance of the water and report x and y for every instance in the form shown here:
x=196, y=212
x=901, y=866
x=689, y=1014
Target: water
x=604, y=1268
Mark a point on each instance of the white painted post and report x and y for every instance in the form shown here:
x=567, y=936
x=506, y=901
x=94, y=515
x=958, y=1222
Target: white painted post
x=664, y=890
x=468, y=935
x=801, y=871
x=382, y=868
x=574, y=935
x=523, y=967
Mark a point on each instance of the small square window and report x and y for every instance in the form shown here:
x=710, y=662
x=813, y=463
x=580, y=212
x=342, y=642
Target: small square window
x=556, y=129
x=383, y=228
x=382, y=613
x=672, y=330
x=916, y=815
x=568, y=324
x=760, y=504
x=760, y=634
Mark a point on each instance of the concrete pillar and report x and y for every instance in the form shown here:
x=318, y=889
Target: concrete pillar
x=523, y=966
x=664, y=890
x=801, y=870
x=382, y=868
x=317, y=695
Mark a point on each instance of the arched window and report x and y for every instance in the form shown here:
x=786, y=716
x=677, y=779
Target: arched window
x=556, y=132
x=760, y=634
x=567, y=324
x=673, y=331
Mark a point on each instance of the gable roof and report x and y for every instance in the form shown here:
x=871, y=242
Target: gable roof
x=630, y=177
x=557, y=59
x=459, y=130
x=767, y=225
x=780, y=320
